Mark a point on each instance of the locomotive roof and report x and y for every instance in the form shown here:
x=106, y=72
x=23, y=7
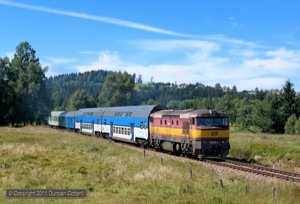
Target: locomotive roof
x=207, y=113
x=188, y=113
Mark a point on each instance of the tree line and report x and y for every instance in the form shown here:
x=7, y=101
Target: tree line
x=27, y=96
x=24, y=95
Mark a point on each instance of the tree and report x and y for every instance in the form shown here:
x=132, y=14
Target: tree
x=117, y=90
x=244, y=116
x=288, y=96
x=290, y=124
x=234, y=89
x=261, y=117
x=276, y=112
x=297, y=127
x=80, y=99
x=173, y=104
x=30, y=99
x=139, y=80
x=4, y=93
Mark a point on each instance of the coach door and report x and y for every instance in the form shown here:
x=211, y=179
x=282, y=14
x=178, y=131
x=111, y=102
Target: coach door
x=93, y=128
x=111, y=129
x=80, y=125
x=132, y=131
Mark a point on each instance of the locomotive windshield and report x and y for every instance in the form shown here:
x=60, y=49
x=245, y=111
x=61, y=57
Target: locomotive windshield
x=208, y=122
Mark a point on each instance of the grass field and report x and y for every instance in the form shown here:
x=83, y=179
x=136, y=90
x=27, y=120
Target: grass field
x=280, y=150
x=44, y=158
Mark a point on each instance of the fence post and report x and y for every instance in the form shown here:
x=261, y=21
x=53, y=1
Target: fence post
x=273, y=192
x=246, y=189
x=221, y=183
x=191, y=173
x=144, y=154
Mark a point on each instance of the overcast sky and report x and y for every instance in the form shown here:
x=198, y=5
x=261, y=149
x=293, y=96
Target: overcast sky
x=247, y=43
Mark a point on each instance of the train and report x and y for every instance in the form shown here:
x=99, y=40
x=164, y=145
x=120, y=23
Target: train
x=200, y=133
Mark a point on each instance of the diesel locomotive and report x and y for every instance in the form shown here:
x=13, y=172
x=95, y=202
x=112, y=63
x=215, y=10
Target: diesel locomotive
x=201, y=133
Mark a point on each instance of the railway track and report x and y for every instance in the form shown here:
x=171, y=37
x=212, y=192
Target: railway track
x=260, y=170
x=231, y=164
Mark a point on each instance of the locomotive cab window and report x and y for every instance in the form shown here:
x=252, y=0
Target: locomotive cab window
x=214, y=121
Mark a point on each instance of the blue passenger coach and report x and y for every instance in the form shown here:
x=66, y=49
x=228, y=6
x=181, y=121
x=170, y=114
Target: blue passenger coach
x=128, y=123
x=88, y=120
x=70, y=119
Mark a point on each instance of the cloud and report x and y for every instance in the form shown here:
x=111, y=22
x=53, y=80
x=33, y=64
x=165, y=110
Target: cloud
x=107, y=60
x=279, y=62
x=173, y=45
x=104, y=19
x=204, y=62
x=10, y=55
x=231, y=41
x=60, y=60
x=57, y=65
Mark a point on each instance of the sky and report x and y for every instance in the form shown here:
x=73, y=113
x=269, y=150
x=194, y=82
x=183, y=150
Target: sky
x=248, y=44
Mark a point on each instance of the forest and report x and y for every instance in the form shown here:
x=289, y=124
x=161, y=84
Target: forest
x=28, y=96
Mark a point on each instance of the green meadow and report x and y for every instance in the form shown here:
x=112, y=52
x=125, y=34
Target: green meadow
x=44, y=158
x=267, y=149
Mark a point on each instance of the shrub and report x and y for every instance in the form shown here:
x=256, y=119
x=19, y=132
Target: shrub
x=297, y=127
x=290, y=124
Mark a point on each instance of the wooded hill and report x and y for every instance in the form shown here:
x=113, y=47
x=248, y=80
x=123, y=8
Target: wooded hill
x=27, y=96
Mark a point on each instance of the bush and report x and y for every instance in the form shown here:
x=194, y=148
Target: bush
x=297, y=127
x=290, y=124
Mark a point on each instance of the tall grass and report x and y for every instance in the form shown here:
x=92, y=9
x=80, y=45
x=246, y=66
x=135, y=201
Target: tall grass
x=44, y=158
x=268, y=149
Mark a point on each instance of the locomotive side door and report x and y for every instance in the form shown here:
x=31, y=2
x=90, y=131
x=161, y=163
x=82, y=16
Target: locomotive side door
x=168, y=126
x=185, y=143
